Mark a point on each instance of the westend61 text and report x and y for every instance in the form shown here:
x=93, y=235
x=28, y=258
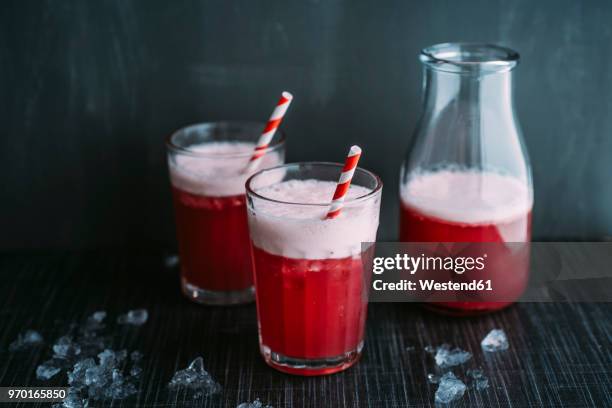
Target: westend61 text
x=429, y=285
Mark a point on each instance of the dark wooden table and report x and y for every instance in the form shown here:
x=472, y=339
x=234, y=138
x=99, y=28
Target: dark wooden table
x=559, y=355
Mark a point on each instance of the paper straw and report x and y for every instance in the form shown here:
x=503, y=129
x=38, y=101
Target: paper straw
x=344, y=182
x=268, y=133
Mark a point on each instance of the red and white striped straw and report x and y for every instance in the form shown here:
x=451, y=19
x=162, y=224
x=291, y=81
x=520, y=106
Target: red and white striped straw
x=344, y=182
x=268, y=133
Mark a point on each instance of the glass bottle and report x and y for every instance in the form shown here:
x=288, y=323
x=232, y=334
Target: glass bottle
x=466, y=177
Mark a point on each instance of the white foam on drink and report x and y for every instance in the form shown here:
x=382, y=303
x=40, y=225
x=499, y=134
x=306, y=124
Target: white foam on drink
x=469, y=197
x=220, y=173
x=301, y=231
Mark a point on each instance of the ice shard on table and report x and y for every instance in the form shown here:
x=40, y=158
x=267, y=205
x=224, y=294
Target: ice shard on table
x=447, y=357
x=195, y=378
x=450, y=389
x=27, y=339
x=495, y=341
x=136, y=317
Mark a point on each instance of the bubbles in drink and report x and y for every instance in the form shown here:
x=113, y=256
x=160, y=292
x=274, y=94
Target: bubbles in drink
x=467, y=197
x=465, y=206
x=472, y=206
x=301, y=231
x=217, y=169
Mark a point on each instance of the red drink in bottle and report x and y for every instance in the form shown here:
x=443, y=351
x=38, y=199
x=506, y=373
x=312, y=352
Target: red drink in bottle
x=470, y=206
x=207, y=170
x=310, y=274
x=466, y=177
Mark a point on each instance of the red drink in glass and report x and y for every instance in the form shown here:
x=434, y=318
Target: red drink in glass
x=469, y=206
x=207, y=165
x=321, y=309
x=310, y=272
x=200, y=222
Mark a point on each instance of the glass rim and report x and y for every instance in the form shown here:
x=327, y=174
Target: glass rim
x=172, y=146
x=465, y=56
x=365, y=197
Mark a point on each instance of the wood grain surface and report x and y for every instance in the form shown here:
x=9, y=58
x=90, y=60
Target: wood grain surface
x=559, y=356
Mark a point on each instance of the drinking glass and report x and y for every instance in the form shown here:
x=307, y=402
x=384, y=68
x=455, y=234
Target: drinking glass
x=311, y=277
x=207, y=163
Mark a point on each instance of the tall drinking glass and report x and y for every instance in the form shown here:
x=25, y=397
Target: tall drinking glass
x=310, y=275
x=207, y=165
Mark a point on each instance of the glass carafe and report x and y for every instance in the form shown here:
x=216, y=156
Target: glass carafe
x=466, y=177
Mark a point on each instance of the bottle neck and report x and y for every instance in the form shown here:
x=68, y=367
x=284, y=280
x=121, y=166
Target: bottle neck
x=490, y=92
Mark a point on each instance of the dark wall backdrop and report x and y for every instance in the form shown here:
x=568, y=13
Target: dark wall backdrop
x=89, y=90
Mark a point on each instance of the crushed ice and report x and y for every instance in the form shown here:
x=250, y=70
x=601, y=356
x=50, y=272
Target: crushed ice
x=479, y=380
x=496, y=340
x=76, y=376
x=450, y=388
x=98, y=316
x=47, y=370
x=447, y=357
x=95, y=322
x=94, y=370
x=195, y=379
x=105, y=379
x=135, y=356
x=25, y=340
x=72, y=400
x=255, y=404
x=136, y=317
x=135, y=371
x=171, y=261
x=65, y=348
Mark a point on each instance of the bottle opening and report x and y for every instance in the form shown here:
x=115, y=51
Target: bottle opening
x=469, y=57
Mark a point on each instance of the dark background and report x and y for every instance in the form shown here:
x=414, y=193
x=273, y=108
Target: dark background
x=89, y=90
